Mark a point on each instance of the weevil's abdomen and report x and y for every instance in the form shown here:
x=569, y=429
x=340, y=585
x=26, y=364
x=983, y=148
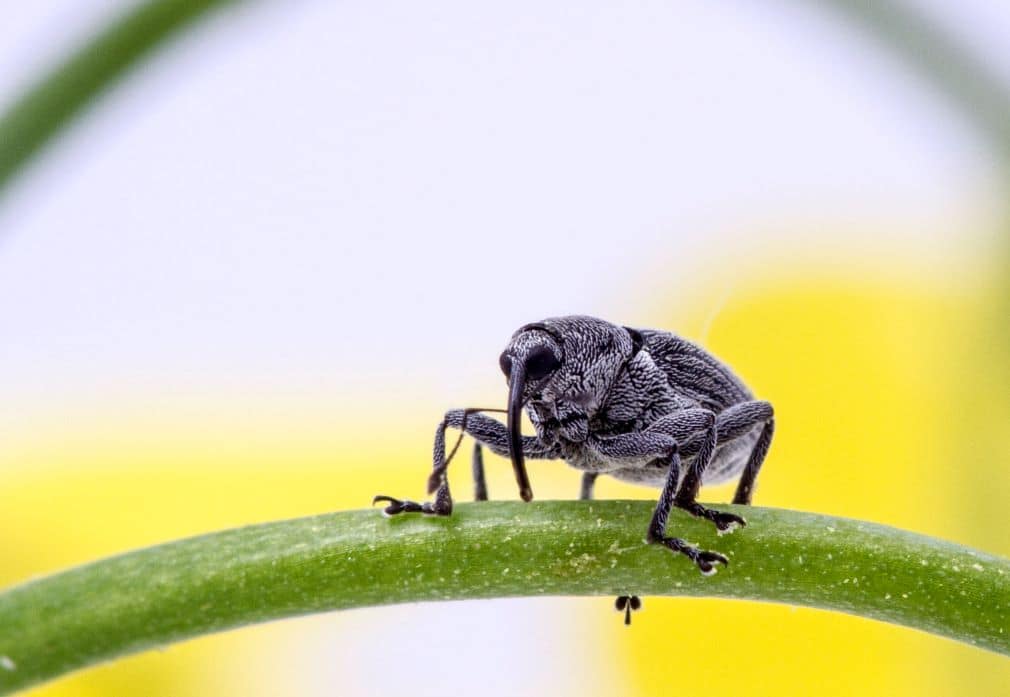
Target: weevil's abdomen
x=731, y=457
x=729, y=460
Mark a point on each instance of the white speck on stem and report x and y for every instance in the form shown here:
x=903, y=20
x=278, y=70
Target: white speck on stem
x=977, y=567
x=7, y=664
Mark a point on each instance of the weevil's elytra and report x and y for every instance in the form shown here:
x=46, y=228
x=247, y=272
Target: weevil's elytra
x=641, y=405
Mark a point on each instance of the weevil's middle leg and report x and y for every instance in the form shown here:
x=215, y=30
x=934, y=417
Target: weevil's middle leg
x=663, y=446
x=477, y=468
x=687, y=494
x=657, y=526
x=702, y=441
x=588, y=484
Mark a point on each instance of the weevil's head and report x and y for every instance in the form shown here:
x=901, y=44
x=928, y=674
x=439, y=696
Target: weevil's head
x=572, y=360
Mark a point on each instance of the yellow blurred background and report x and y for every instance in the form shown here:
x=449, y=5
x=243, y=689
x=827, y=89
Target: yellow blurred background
x=878, y=333
x=872, y=380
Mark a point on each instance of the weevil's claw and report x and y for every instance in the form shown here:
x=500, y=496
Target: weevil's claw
x=397, y=506
x=705, y=561
x=627, y=604
x=727, y=522
x=442, y=506
x=724, y=522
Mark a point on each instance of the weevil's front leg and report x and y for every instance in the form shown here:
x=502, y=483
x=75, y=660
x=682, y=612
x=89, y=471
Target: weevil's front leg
x=588, y=483
x=485, y=430
x=635, y=446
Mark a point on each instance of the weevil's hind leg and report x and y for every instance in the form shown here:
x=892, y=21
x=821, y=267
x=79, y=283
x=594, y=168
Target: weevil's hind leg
x=739, y=420
x=745, y=488
x=477, y=466
x=588, y=484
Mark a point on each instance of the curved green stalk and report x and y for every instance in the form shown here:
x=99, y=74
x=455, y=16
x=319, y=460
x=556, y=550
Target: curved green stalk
x=943, y=62
x=57, y=98
x=53, y=102
x=158, y=595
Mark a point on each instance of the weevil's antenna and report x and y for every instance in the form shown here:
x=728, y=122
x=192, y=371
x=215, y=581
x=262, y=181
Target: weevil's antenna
x=462, y=429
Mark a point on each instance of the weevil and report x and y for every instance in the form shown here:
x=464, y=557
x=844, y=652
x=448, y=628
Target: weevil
x=641, y=405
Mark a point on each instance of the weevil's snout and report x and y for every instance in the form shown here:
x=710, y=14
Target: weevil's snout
x=528, y=361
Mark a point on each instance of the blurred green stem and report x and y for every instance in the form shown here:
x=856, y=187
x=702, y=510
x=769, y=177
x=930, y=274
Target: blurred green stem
x=57, y=98
x=52, y=103
x=943, y=62
x=158, y=595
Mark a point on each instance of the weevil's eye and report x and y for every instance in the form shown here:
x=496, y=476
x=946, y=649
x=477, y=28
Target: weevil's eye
x=541, y=362
x=506, y=364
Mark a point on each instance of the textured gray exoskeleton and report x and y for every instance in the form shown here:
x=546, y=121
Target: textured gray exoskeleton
x=640, y=405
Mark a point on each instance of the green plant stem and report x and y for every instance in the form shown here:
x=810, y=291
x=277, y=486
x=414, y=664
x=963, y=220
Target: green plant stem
x=58, y=97
x=52, y=103
x=162, y=594
x=941, y=61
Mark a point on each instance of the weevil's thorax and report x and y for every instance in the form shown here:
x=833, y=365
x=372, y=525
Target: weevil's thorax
x=638, y=396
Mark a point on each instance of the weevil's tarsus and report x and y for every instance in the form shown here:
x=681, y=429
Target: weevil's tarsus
x=627, y=604
x=484, y=430
x=397, y=506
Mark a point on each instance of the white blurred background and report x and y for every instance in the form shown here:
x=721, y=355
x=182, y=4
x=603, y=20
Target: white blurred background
x=356, y=203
